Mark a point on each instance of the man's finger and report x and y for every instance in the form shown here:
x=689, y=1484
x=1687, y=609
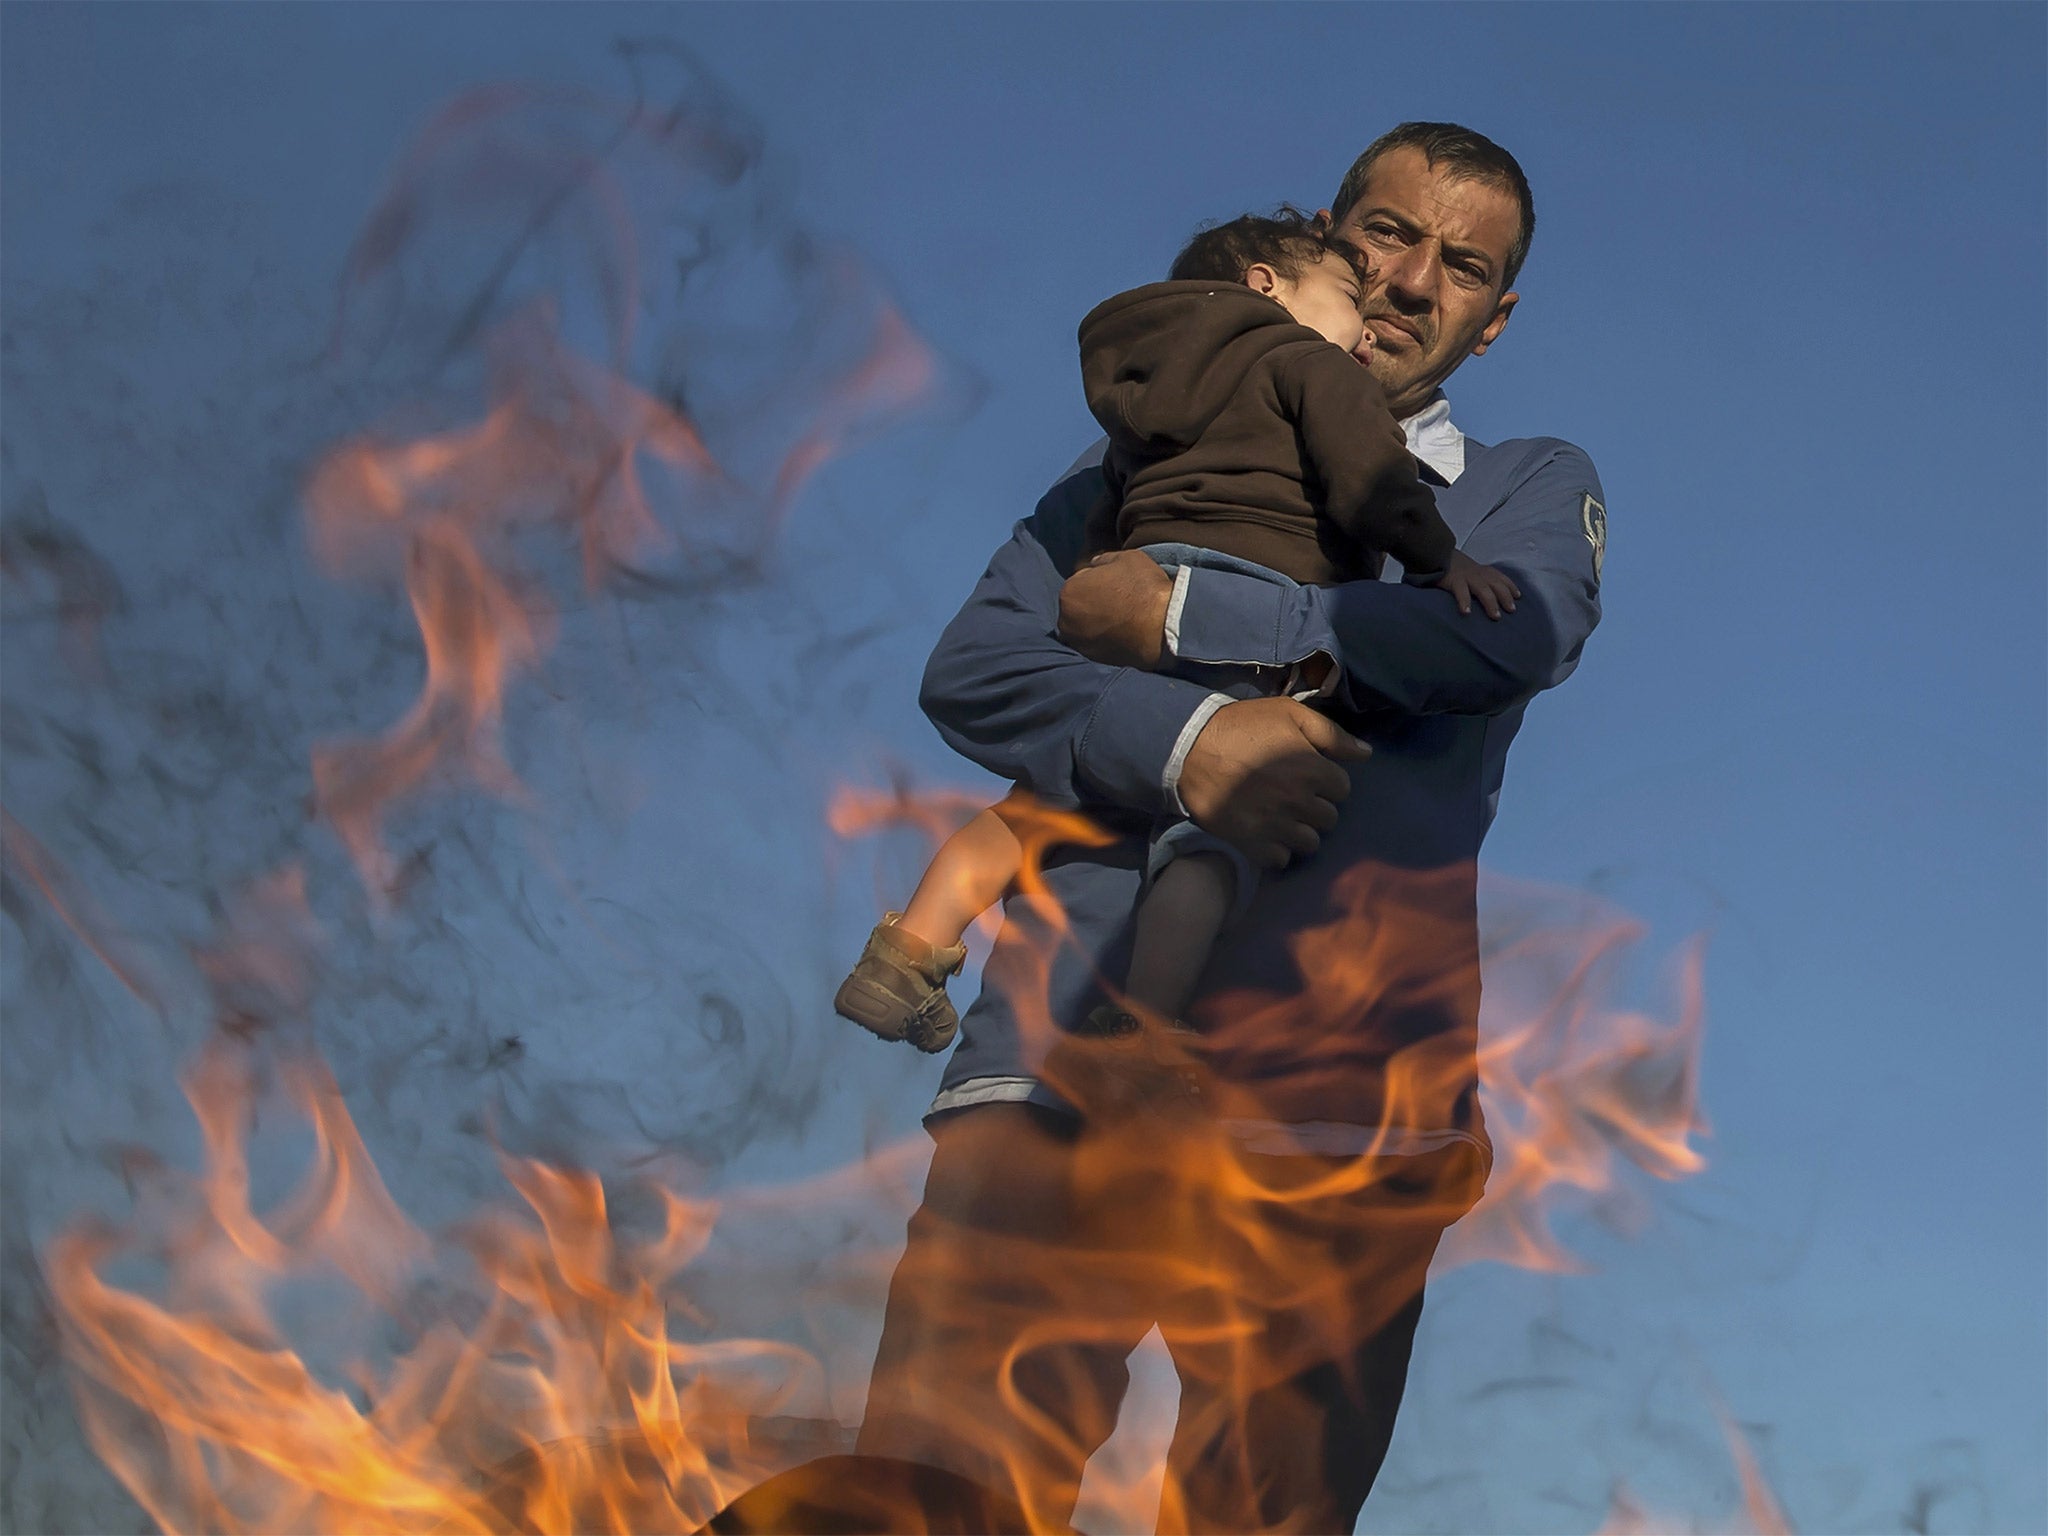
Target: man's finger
x=1302, y=840
x=1329, y=738
x=1268, y=855
x=1328, y=783
x=1320, y=813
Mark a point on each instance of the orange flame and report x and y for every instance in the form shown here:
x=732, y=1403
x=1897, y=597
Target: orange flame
x=562, y=448
x=1766, y=1516
x=1762, y=1514
x=570, y=1401
x=583, y=1392
x=580, y=1389
x=475, y=631
x=1574, y=1087
x=896, y=371
x=935, y=815
x=575, y=1334
x=531, y=183
x=21, y=851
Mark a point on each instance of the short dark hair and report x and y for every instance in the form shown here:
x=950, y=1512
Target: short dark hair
x=1285, y=240
x=1468, y=154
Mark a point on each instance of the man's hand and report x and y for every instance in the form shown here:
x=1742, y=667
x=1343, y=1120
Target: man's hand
x=1467, y=580
x=1267, y=776
x=1113, y=610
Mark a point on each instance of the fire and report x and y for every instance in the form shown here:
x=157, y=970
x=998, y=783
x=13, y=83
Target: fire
x=542, y=1365
x=561, y=448
x=1762, y=1514
x=577, y=1386
x=581, y=1389
x=536, y=1368
x=520, y=182
x=576, y=1332
x=1040, y=828
x=896, y=371
x=73, y=908
x=1575, y=1087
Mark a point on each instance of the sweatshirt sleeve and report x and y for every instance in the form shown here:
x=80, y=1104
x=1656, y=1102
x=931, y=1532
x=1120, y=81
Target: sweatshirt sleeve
x=1408, y=648
x=1355, y=447
x=1005, y=693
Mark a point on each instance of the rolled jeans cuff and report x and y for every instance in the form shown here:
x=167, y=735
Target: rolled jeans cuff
x=1184, y=838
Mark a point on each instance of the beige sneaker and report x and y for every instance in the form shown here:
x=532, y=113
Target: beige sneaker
x=898, y=987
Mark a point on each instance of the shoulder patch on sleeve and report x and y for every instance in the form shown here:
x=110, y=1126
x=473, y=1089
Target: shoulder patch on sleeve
x=1593, y=520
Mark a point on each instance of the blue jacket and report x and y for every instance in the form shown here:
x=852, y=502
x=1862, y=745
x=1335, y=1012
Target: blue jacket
x=1349, y=995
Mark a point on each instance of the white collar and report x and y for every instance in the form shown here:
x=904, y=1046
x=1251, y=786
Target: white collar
x=1432, y=438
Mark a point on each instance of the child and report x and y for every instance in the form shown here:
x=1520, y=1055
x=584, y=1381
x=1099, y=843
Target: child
x=1243, y=432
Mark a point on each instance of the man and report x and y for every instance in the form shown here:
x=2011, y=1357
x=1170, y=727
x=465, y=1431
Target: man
x=1283, y=1255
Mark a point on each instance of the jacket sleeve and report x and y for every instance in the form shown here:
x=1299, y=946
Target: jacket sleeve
x=1408, y=648
x=1005, y=693
x=1354, y=446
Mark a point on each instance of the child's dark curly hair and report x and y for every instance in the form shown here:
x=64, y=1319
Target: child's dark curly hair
x=1285, y=240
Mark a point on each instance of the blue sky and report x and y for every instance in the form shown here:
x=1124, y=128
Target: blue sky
x=1787, y=290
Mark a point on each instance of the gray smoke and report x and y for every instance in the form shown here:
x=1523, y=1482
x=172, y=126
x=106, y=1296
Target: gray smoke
x=600, y=968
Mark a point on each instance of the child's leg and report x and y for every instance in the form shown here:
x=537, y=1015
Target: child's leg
x=966, y=877
x=1178, y=920
x=897, y=988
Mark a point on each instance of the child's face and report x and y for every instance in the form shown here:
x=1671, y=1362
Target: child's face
x=1324, y=296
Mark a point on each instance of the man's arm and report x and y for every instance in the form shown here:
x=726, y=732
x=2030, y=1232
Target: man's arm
x=1408, y=648
x=1264, y=774
x=1005, y=693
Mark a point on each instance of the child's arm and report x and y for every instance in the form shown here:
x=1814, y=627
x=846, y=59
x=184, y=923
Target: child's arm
x=1354, y=446
x=1468, y=582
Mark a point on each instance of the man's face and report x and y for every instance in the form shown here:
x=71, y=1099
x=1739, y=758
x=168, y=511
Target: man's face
x=1437, y=246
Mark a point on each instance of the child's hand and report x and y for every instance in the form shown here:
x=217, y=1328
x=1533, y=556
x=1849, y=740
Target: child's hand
x=1466, y=580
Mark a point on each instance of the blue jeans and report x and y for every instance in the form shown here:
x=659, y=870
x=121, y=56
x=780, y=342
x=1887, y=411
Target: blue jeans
x=1183, y=837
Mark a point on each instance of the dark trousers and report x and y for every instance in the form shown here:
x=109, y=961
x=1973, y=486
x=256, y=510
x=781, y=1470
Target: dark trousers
x=1287, y=1289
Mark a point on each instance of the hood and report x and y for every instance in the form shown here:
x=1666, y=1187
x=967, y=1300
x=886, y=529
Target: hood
x=1160, y=362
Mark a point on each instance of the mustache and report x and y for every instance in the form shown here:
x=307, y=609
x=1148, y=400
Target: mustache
x=1416, y=325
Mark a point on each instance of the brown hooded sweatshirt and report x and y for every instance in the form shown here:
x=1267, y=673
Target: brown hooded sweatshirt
x=1233, y=428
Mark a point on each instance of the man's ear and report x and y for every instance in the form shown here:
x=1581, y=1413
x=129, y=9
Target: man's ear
x=1261, y=278
x=1496, y=325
